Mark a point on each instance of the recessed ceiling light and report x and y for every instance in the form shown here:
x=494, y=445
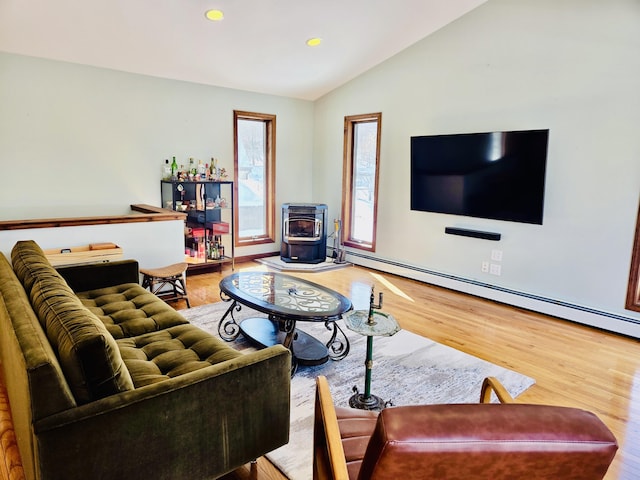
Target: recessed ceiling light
x=314, y=42
x=214, y=15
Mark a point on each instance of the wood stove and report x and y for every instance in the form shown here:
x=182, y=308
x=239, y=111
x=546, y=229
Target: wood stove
x=304, y=233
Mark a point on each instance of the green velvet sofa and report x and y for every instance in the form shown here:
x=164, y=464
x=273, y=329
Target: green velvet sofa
x=106, y=381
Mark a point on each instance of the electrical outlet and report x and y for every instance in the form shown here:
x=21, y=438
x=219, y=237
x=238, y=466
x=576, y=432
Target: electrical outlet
x=496, y=255
x=485, y=267
x=495, y=269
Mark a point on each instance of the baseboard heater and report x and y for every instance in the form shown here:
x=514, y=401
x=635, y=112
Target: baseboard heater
x=465, y=232
x=476, y=283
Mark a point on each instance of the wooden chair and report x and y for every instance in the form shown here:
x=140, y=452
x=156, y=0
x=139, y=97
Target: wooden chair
x=480, y=441
x=10, y=461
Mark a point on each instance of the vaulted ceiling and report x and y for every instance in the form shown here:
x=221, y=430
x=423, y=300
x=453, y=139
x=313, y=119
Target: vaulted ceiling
x=259, y=46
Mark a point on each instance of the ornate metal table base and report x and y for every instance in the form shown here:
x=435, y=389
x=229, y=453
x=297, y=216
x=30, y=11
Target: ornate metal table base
x=228, y=328
x=265, y=332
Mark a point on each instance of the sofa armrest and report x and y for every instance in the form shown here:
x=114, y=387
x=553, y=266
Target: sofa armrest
x=82, y=278
x=199, y=425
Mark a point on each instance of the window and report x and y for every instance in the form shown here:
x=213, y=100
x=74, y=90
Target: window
x=254, y=189
x=360, y=180
x=633, y=291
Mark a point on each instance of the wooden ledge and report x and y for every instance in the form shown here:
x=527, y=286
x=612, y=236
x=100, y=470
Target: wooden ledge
x=142, y=213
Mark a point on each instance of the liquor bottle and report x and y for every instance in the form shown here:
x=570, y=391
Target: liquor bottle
x=166, y=170
x=174, y=169
x=201, y=170
x=213, y=250
x=214, y=169
x=192, y=167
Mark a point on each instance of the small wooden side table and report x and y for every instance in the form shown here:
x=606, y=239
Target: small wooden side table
x=174, y=276
x=370, y=323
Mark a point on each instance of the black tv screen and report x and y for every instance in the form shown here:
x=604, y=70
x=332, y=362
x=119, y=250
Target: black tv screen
x=496, y=175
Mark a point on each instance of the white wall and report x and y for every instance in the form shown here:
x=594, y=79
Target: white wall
x=152, y=244
x=78, y=140
x=82, y=139
x=570, y=66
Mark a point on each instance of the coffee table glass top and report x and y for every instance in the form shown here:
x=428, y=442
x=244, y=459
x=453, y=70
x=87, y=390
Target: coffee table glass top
x=285, y=296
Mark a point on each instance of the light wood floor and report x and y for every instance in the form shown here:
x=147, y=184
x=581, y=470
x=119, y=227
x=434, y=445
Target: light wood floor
x=573, y=365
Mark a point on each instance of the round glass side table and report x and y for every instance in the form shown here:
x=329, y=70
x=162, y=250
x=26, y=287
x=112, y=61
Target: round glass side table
x=370, y=323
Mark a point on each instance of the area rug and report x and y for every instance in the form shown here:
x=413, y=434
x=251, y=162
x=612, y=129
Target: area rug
x=277, y=264
x=407, y=369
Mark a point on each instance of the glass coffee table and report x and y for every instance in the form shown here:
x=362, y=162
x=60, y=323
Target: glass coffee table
x=286, y=300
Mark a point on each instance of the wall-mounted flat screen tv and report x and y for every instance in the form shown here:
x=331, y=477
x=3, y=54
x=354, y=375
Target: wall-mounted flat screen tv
x=496, y=175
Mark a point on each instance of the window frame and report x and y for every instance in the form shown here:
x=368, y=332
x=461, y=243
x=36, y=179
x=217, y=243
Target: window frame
x=348, y=189
x=633, y=289
x=270, y=178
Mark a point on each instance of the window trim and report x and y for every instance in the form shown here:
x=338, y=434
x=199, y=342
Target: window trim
x=270, y=182
x=633, y=289
x=347, y=181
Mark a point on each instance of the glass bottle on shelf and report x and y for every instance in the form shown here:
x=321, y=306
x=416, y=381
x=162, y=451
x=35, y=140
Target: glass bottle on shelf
x=215, y=175
x=208, y=220
x=174, y=169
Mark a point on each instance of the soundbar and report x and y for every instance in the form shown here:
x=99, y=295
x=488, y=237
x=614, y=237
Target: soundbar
x=464, y=232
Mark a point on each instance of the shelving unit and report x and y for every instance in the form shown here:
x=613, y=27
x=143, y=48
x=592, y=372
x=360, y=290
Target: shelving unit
x=209, y=231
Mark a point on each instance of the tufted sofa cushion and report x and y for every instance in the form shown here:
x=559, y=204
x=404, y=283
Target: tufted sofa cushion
x=157, y=356
x=115, y=338
x=88, y=354
x=129, y=310
x=29, y=264
x=44, y=375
